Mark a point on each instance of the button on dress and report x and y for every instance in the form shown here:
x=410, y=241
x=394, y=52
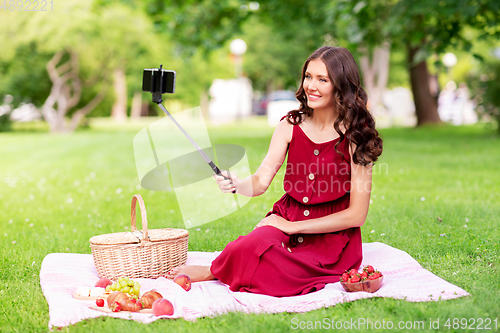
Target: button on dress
x=268, y=261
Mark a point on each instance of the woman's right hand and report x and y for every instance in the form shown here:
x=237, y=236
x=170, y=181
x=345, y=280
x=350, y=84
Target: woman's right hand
x=228, y=184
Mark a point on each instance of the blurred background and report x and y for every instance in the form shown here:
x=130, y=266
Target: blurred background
x=76, y=63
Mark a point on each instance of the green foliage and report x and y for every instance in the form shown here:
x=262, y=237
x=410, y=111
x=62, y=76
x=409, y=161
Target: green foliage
x=398, y=70
x=485, y=87
x=25, y=76
x=191, y=37
x=483, y=78
x=95, y=30
x=99, y=37
x=5, y=122
x=431, y=25
x=422, y=29
x=196, y=73
x=293, y=16
x=273, y=60
x=281, y=35
x=193, y=24
x=492, y=88
x=361, y=22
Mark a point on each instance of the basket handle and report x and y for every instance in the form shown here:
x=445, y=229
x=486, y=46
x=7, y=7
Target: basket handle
x=144, y=217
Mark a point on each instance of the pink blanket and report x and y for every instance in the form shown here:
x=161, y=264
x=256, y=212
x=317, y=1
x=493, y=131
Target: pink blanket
x=404, y=278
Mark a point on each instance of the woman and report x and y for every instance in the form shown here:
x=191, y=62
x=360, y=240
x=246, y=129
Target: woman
x=312, y=235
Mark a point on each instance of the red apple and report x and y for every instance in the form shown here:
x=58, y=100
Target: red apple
x=184, y=281
x=162, y=307
x=103, y=282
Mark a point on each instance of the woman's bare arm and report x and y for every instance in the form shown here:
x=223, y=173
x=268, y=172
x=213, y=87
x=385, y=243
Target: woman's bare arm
x=259, y=182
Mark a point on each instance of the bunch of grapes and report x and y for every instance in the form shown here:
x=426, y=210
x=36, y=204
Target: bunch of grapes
x=125, y=285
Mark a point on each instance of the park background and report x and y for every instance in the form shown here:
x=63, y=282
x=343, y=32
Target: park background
x=71, y=174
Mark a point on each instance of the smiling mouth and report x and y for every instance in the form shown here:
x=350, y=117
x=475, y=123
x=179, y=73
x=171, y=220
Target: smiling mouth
x=313, y=97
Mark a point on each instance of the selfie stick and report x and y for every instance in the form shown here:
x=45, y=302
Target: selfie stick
x=157, y=98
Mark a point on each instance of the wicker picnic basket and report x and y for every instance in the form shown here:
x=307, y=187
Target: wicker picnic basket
x=139, y=254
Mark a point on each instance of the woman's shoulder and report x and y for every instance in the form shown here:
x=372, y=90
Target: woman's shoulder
x=284, y=130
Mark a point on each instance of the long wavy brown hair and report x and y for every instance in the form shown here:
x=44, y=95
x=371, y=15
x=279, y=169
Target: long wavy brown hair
x=350, y=103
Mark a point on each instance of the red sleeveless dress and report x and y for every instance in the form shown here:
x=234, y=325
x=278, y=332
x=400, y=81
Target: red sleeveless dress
x=267, y=261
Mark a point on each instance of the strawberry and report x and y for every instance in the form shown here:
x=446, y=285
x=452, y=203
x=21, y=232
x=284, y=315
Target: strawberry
x=369, y=269
x=363, y=276
x=353, y=272
x=99, y=302
x=140, y=304
x=374, y=276
x=345, y=277
x=116, y=307
x=355, y=279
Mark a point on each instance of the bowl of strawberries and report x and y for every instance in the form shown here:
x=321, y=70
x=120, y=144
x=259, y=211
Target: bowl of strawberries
x=369, y=280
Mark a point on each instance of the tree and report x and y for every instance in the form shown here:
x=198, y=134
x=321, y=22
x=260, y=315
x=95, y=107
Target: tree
x=23, y=74
x=197, y=24
x=196, y=32
x=279, y=34
x=86, y=48
x=66, y=92
x=273, y=61
x=301, y=27
x=485, y=89
x=423, y=28
x=375, y=71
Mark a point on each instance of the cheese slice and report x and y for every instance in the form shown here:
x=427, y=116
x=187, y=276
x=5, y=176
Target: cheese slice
x=83, y=291
x=96, y=291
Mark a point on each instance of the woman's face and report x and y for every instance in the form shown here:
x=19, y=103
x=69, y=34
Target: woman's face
x=317, y=86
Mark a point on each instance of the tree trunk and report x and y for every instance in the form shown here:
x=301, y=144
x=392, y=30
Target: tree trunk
x=204, y=103
x=66, y=93
x=375, y=73
x=119, y=110
x=135, y=113
x=425, y=104
x=81, y=113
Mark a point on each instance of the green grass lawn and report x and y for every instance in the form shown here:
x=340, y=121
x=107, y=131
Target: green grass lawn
x=436, y=196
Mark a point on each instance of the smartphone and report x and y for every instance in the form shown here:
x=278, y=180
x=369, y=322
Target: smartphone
x=158, y=80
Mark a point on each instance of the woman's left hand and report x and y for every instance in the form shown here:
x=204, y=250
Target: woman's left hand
x=278, y=222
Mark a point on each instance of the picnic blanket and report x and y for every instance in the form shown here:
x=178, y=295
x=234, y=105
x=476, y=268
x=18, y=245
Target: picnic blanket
x=62, y=273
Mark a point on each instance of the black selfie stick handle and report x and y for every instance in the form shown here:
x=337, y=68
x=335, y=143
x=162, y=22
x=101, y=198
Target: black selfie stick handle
x=218, y=173
x=215, y=169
